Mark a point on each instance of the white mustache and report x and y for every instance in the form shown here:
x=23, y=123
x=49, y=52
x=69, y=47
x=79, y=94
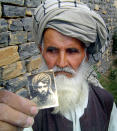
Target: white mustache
x=65, y=69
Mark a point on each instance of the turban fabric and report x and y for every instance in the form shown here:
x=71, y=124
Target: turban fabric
x=73, y=19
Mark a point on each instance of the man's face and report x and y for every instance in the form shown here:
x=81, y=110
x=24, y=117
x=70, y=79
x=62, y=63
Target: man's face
x=62, y=51
x=42, y=88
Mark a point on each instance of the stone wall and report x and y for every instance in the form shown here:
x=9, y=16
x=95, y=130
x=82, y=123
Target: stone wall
x=19, y=54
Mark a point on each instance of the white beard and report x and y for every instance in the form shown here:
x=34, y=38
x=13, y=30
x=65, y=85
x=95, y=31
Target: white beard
x=71, y=92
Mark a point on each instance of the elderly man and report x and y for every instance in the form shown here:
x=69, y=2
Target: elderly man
x=71, y=38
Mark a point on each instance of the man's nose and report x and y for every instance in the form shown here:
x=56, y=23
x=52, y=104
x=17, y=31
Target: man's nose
x=62, y=60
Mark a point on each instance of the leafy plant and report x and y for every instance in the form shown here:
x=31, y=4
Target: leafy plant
x=113, y=74
x=109, y=82
x=97, y=72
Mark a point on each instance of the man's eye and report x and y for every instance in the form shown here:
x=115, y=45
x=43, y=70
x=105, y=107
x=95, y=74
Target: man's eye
x=52, y=50
x=72, y=50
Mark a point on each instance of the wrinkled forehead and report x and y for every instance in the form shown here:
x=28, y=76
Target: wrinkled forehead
x=53, y=36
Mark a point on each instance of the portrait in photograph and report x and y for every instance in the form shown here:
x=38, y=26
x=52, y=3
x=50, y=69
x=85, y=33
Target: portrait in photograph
x=42, y=89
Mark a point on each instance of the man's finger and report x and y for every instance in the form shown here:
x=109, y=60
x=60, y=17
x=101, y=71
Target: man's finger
x=19, y=103
x=11, y=116
x=7, y=127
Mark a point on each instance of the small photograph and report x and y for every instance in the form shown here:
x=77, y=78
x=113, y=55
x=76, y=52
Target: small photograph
x=42, y=89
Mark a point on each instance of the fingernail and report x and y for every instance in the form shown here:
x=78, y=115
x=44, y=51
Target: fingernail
x=34, y=110
x=30, y=121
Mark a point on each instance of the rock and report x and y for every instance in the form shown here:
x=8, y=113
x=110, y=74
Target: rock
x=104, y=12
x=13, y=11
x=8, y=55
x=30, y=37
x=16, y=84
x=18, y=37
x=15, y=25
x=32, y=3
x=97, y=1
x=33, y=63
x=99, y=63
x=97, y=7
x=28, y=23
x=0, y=10
x=115, y=4
x=17, y=2
x=27, y=50
x=4, y=39
x=12, y=70
x=3, y=25
x=29, y=11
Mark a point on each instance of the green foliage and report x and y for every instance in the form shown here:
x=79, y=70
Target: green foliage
x=113, y=74
x=109, y=82
x=97, y=72
x=109, y=79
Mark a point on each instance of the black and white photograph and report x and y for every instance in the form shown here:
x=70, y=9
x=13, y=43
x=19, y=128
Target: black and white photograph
x=42, y=89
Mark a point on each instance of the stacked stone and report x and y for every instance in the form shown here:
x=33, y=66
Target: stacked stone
x=108, y=10
x=19, y=54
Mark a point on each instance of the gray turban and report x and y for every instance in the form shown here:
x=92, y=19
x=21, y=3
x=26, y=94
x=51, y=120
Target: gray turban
x=73, y=19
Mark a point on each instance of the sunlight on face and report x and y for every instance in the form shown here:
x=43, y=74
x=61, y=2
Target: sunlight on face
x=62, y=51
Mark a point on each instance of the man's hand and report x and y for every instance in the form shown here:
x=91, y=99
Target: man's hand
x=15, y=111
x=8, y=127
